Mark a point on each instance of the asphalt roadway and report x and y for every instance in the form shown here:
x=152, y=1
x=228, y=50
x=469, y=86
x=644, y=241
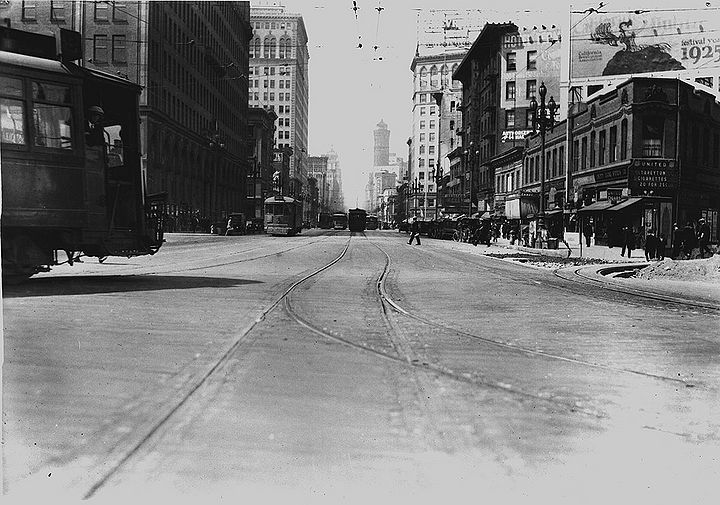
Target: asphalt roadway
x=343, y=368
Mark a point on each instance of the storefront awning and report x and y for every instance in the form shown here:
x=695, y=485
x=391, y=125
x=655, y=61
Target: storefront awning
x=597, y=206
x=625, y=203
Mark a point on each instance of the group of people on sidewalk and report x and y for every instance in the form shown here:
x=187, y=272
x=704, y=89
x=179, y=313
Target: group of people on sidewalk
x=688, y=238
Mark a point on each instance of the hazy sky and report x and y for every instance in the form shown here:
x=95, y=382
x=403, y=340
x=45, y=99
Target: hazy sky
x=352, y=89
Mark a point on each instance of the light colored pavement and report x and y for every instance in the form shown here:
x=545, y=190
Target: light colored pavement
x=177, y=373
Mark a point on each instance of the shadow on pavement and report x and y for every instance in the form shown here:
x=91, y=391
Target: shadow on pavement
x=89, y=285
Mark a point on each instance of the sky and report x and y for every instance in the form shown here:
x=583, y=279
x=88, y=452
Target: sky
x=353, y=88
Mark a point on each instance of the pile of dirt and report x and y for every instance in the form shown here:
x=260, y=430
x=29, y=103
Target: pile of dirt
x=707, y=269
x=545, y=261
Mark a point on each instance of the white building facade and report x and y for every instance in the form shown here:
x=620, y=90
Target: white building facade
x=278, y=80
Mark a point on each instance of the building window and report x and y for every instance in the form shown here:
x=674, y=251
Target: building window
x=432, y=137
x=652, y=136
x=100, y=49
x=576, y=156
x=431, y=149
x=532, y=60
x=422, y=125
x=422, y=137
x=612, y=154
x=421, y=163
x=57, y=10
x=528, y=119
x=119, y=49
x=510, y=90
x=623, y=139
x=561, y=160
x=119, y=12
x=29, y=10
x=584, y=153
x=509, y=119
x=432, y=124
x=422, y=111
x=592, y=149
x=101, y=11
x=422, y=149
x=423, y=98
x=601, y=147
x=432, y=110
x=530, y=89
x=511, y=61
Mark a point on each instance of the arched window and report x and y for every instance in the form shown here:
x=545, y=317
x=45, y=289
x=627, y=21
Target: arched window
x=444, y=79
x=256, y=48
x=624, y=139
x=423, y=78
x=266, y=47
x=281, y=48
x=433, y=77
x=273, y=45
x=288, y=48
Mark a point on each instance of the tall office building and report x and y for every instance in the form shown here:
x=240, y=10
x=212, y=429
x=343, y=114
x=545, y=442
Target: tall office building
x=382, y=145
x=191, y=59
x=278, y=80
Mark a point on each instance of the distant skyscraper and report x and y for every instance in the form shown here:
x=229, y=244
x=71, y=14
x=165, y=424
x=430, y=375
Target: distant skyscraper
x=382, y=145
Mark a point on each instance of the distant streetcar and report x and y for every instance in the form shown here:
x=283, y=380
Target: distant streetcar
x=72, y=179
x=283, y=215
x=356, y=219
x=325, y=220
x=371, y=223
x=340, y=221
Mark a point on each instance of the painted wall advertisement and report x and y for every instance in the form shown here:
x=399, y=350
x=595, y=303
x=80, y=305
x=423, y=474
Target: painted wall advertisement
x=615, y=44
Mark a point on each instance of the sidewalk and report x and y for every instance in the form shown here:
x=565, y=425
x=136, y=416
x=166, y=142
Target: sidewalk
x=702, y=293
x=576, y=251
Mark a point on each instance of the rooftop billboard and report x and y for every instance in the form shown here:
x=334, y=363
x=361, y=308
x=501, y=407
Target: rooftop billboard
x=617, y=44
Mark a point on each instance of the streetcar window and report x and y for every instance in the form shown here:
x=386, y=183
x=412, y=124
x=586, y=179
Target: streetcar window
x=52, y=124
x=13, y=121
x=52, y=121
x=12, y=112
x=51, y=93
x=10, y=86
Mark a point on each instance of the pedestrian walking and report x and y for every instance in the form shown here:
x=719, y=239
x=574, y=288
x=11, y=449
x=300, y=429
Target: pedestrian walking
x=677, y=237
x=661, y=244
x=703, y=237
x=588, y=232
x=628, y=241
x=689, y=240
x=414, y=231
x=650, y=245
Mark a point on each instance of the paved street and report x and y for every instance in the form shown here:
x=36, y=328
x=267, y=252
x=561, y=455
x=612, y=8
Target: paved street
x=341, y=367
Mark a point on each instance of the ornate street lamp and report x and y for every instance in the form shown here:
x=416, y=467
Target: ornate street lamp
x=543, y=119
x=470, y=154
x=438, y=163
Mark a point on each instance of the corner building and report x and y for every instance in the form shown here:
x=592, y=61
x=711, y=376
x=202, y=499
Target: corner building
x=278, y=80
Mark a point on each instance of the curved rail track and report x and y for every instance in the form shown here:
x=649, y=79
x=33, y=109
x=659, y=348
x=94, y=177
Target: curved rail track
x=403, y=356
x=210, y=371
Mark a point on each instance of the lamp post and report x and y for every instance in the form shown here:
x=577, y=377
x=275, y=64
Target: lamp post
x=438, y=166
x=469, y=162
x=543, y=119
x=216, y=144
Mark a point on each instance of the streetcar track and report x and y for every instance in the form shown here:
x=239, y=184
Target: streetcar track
x=508, y=346
x=413, y=364
x=577, y=275
x=216, y=365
